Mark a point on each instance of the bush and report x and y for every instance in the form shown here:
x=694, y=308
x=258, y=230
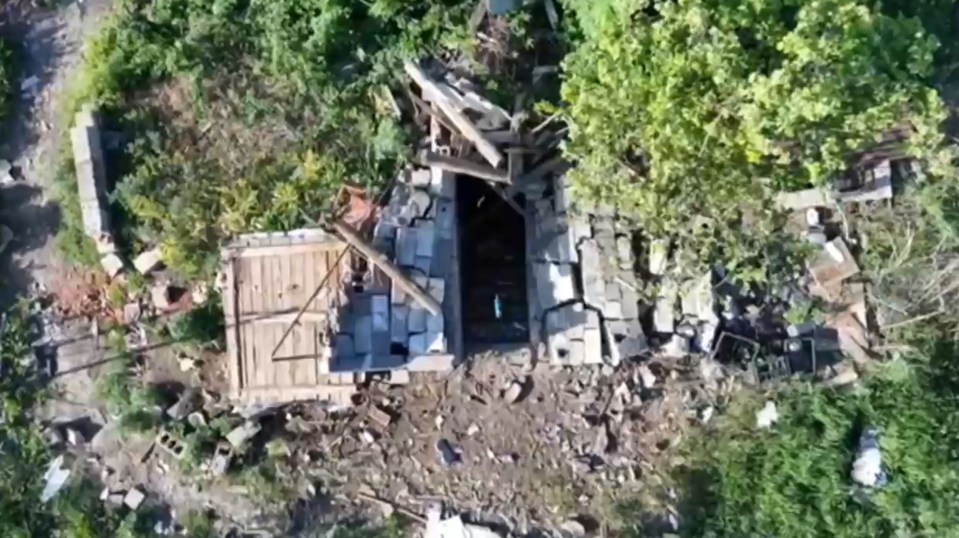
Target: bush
x=708, y=107
x=252, y=115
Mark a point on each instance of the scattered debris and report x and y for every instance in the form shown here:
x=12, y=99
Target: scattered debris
x=767, y=416
x=161, y=295
x=243, y=433
x=449, y=453
x=55, y=478
x=513, y=392
x=134, y=498
x=222, y=457
x=170, y=444
x=867, y=469
x=148, y=261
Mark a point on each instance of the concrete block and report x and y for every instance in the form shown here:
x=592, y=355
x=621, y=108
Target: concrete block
x=658, y=252
x=363, y=335
x=613, y=310
x=425, y=236
x=242, y=433
x=417, y=344
x=147, y=261
x=419, y=203
x=624, y=252
x=381, y=343
x=399, y=324
x=579, y=228
x=134, y=498
x=630, y=303
x=397, y=295
x=558, y=347
x=380, y=312
x=112, y=264
x=423, y=263
x=435, y=324
x=406, y=246
x=442, y=258
x=563, y=196
x=593, y=284
x=420, y=177
x=592, y=339
x=664, y=314
x=561, y=248
x=613, y=292
x=416, y=321
x=577, y=352
x=437, y=288
x=696, y=297
x=435, y=342
x=430, y=363
x=445, y=225
x=343, y=346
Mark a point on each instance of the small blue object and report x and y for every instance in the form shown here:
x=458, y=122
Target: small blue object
x=497, y=306
x=449, y=453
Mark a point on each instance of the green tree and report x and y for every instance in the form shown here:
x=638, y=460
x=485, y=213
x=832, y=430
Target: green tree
x=708, y=107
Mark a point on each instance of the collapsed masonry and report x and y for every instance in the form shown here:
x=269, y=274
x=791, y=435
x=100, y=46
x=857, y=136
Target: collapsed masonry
x=584, y=304
x=91, y=185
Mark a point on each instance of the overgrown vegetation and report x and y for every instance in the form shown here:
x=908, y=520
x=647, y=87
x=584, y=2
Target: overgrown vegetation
x=136, y=403
x=708, y=107
x=251, y=115
x=76, y=511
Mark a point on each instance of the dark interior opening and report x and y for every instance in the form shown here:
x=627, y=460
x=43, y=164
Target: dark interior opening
x=493, y=270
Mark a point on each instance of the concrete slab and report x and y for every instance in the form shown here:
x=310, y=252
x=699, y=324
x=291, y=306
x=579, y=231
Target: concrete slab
x=399, y=324
x=406, y=246
x=594, y=287
x=363, y=335
x=425, y=235
x=416, y=321
x=380, y=312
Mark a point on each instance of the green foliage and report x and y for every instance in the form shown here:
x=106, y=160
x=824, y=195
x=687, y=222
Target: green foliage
x=76, y=512
x=259, y=112
x=201, y=326
x=708, y=107
x=794, y=480
x=133, y=401
x=199, y=525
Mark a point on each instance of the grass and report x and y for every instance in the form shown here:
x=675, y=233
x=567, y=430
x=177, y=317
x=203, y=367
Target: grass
x=247, y=116
x=794, y=480
x=76, y=511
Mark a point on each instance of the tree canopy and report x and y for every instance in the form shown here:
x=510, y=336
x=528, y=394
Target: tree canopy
x=707, y=107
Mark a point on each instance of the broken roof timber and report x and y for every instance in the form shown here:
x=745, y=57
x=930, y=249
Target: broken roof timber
x=466, y=127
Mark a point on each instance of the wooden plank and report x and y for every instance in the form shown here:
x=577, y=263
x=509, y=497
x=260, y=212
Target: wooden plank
x=463, y=166
x=250, y=285
x=287, y=250
x=315, y=293
x=298, y=339
x=234, y=353
x=466, y=127
x=279, y=285
x=339, y=394
x=395, y=274
x=283, y=317
x=265, y=338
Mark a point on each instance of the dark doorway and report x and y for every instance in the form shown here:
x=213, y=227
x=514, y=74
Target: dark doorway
x=493, y=271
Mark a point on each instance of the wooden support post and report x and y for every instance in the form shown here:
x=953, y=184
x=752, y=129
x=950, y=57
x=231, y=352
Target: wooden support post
x=463, y=166
x=391, y=270
x=465, y=126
